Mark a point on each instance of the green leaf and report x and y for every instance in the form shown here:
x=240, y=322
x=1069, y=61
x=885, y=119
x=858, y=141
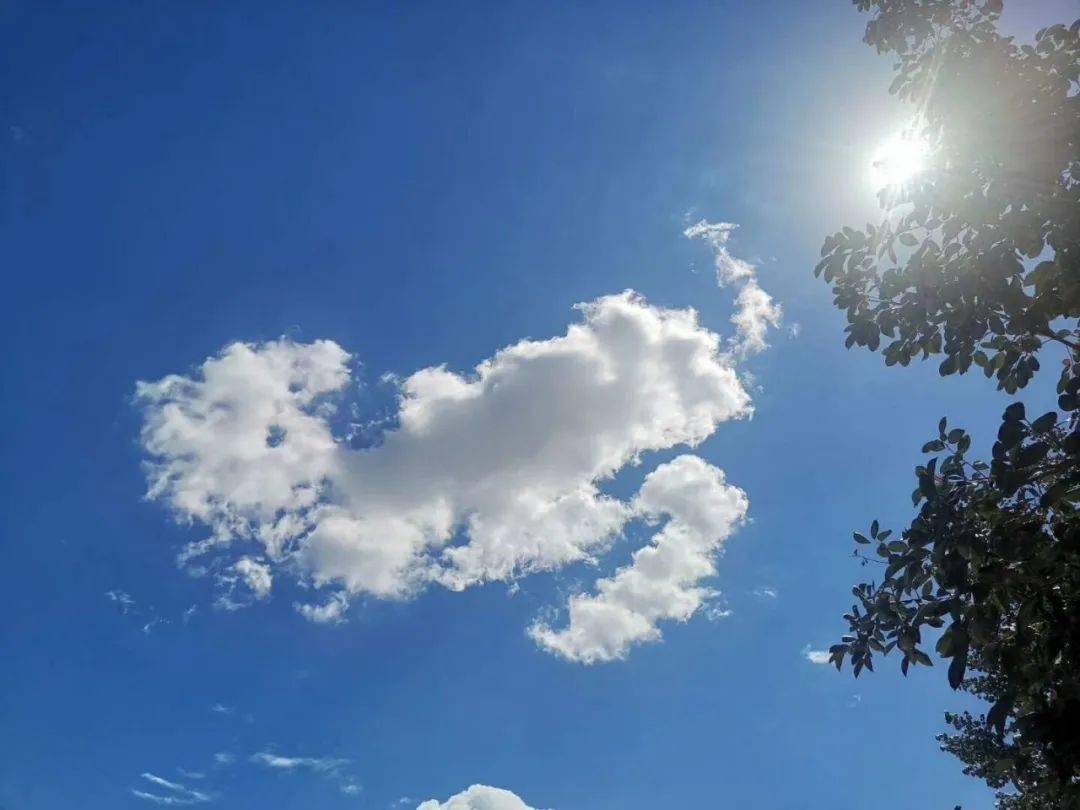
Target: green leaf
x=999, y=713
x=1044, y=422
x=1015, y=412
x=958, y=667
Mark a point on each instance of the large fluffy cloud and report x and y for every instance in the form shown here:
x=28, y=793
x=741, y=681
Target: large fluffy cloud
x=478, y=797
x=486, y=476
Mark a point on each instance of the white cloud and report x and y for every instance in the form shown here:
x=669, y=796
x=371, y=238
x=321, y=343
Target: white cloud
x=224, y=758
x=317, y=764
x=766, y=592
x=505, y=462
x=663, y=581
x=169, y=793
x=478, y=797
x=755, y=310
x=729, y=269
x=148, y=628
x=815, y=656
x=332, y=611
x=220, y=708
x=327, y=767
x=255, y=575
x=122, y=599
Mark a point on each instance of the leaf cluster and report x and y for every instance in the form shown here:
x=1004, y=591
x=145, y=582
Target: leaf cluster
x=988, y=572
x=978, y=257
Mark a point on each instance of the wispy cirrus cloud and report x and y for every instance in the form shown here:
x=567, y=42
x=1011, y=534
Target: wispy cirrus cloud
x=166, y=792
x=328, y=767
x=121, y=599
x=755, y=310
x=284, y=763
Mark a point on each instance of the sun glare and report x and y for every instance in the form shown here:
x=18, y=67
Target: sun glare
x=898, y=160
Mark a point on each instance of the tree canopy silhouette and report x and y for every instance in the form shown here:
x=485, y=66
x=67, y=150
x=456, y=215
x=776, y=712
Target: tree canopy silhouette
x=977, y=262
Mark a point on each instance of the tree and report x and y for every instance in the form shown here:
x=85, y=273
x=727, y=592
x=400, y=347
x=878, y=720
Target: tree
x=977, y=259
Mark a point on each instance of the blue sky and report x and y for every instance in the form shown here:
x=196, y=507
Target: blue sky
x=426, y=185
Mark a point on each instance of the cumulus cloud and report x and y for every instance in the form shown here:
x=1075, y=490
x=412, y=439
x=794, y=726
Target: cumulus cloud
x=486, y=476
x=169, y=793
x=478, y=797
x=755, y=309
x=663, y=581
x=815, y=656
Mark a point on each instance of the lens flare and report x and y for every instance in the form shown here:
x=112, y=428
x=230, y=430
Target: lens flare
x=898, y=160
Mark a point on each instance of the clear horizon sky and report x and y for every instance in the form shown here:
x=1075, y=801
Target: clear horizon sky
x=591, y=572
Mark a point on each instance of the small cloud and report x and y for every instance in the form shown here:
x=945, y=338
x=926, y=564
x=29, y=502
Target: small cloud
x=169, y=793
x=255, y=575
x=717, y=608
x=794, y=330
x=184, y=772
x=715, y=613
x=815, y=656
x=316, y=764
x=148, y=628
x=246, y=581
x=328, y=767
x=755, y=309
x=854, y=701
x=121, y=599
x=765, y=592
x=221, y=709
x=188, y=614
x=330, y=612
x=224, y=758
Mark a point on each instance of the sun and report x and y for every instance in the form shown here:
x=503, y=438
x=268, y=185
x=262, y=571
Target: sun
x=898, y=160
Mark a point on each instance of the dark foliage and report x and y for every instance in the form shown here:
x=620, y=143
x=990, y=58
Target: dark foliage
x=978, y=260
